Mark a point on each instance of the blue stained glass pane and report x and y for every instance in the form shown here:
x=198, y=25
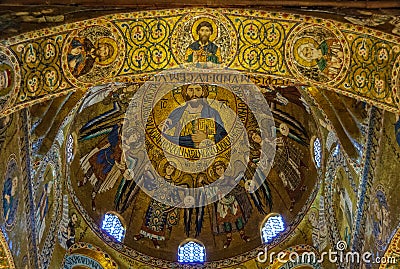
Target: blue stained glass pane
x=317, y=152
x=113, y=226
x=272, y=227
x=191, y=252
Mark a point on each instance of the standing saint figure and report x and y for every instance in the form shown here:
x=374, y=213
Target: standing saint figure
x=203, y=50
x=160, y=217
x=232, y=211
x=194, y=121
x=10, y=199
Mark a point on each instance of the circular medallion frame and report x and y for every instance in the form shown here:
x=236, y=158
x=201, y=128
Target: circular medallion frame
x=317, y=54
x=93, y=54
x=10, y=78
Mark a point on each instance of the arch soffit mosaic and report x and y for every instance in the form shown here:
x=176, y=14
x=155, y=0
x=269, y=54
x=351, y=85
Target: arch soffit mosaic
x=358, y=62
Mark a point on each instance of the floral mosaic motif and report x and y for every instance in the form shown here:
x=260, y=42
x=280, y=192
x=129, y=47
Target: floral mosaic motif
x=93, y=53
x=372, y=63
x=41, y=68
x=147, y=44
x=260, y=46
x=317, y=54
x=191, y=252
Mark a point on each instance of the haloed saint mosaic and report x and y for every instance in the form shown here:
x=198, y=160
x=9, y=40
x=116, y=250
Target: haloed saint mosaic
x=191, y=153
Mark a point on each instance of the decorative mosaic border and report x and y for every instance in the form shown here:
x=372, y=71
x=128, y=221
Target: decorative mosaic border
x=52, y=158
x=26, y=167
x=373, y=142
x=333, y=164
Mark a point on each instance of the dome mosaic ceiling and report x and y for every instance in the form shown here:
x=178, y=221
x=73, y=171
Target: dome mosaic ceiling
x=147, y=139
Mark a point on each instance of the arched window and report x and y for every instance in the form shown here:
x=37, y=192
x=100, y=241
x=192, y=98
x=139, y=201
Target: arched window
x=191, y=251
x=317, y=152
x=271, y=227
x=112, y=225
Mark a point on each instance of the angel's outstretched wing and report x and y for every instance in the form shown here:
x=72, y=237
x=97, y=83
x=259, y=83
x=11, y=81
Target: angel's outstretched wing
x=262, y=197
x=97, y=94
x=130, y=184
x=199, y=216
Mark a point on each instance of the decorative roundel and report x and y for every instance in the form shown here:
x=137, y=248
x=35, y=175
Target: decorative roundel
x=317, y=54
x=10, y=78
x=201, y=38
x=93, y=54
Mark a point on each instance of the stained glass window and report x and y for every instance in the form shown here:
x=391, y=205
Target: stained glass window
x=317, y=152
x=112, y=225
x=271, y=228
x=191, y=252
